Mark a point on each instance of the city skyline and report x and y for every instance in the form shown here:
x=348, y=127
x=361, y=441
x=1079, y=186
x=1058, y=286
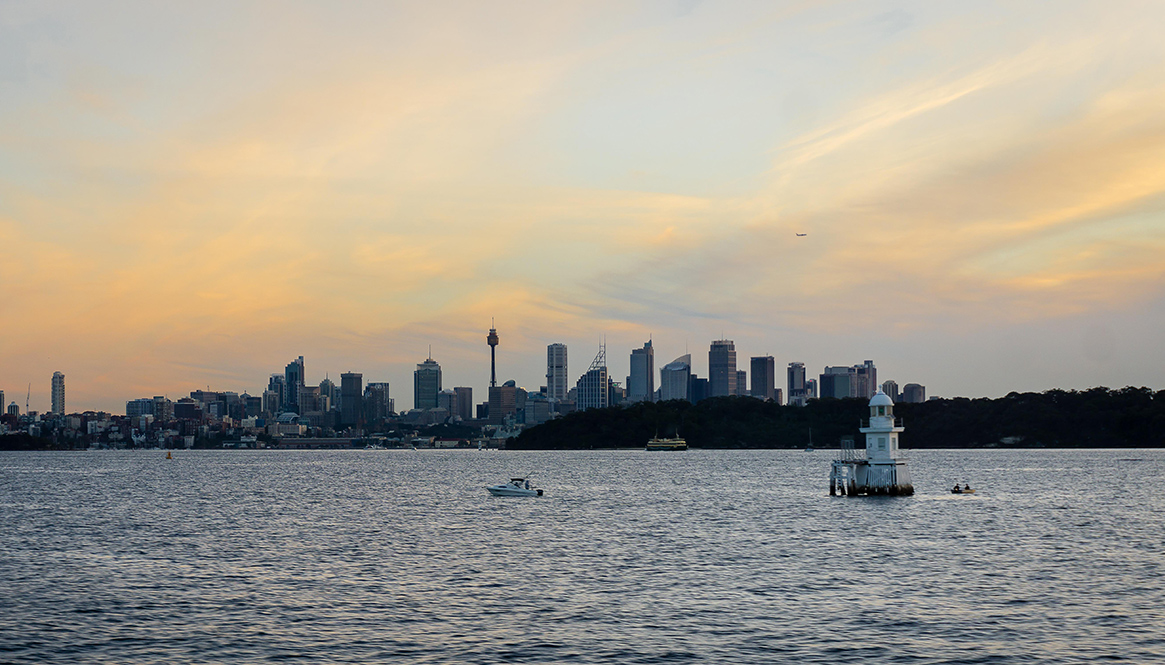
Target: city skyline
x=190, y=196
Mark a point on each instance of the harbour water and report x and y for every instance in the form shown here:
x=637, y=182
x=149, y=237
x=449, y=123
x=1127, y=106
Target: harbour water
x=705, y=556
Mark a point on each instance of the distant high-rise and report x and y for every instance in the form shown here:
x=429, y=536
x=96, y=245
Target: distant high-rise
x=914, y=393
x=58, y=393
x=698, y=389
x=503, y=401
x=426, y=384
x=1, y=399
x=310, y=400
x=330, y=391
x=135, y=408
x=556, y=375
x=675, y=377
x=796, y=386
x=14, y=409
x=890, y=387
x=351, y=399
x=837, y=382
x=764, y=377
x=722, y=368
x=854, y=381
x=293, y=380
x=811, y=389
x=278, y=384
x=865, y=380
x=641, y=383
x=593, y=389
x=464, y=402
x=377, y=402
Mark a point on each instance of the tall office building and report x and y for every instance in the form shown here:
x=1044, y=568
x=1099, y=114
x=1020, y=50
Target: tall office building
x=593, y=389
x=675, y=379
x=797, y=389
x=277, y=384
x=293, y=380
x=890, y=387
x=556, y=376
x=464, y=402
x=426, y=384
x=58, y=393
x=698, y=389
x=865, y=382
x=837, y=382
x=330, y=391
x=377, y=402
x=503, y=401
x=764, y=377
x=914, y=393
x=855, y=381
x=811, y=388
x=641, y=383
x=1, y=399
x=310, y=400
x=722, y=368
x=351, y=399
x=135, y=408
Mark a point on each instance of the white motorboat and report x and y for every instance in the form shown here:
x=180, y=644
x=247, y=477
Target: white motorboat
x=516, y=487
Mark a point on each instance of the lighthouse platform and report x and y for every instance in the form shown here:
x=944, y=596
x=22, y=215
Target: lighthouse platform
x=879, y=471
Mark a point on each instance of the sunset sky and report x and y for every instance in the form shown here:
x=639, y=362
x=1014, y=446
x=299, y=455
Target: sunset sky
x=193, y=194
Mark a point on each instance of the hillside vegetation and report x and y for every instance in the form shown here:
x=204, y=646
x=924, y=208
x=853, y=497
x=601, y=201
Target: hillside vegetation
x=1095, y=418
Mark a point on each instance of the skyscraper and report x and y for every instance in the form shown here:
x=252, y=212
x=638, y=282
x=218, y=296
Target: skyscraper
x=890, y=387
x=798, y=393
x=764, y=377
x=914, y=393
x=592, y=387
x=722, y=368
x=377, y=402
x=277, y=384
x=464, y=402
x=865, y=380
x=351, y=399
x=58, y=393
x=556, y=375
x=293, y=380
x=330, y=391
x=837, y=382
x=426, y=384
x=641, y=383
x=675, y=378
x=503, y=401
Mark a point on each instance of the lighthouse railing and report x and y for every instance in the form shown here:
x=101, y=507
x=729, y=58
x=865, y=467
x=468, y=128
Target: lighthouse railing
x=866, y=423
x=847, y=452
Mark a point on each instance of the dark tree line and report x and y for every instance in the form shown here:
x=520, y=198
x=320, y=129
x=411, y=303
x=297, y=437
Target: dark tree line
x=1095, y=418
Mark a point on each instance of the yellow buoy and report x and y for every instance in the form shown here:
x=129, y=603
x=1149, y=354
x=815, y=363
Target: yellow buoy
x=168, y=455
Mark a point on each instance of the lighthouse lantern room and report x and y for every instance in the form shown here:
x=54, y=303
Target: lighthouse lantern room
x=882, y=472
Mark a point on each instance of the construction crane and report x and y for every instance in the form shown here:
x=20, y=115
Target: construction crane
x=26, y=396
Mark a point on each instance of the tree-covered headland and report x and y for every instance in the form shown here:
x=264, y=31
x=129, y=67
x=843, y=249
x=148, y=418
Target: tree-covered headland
x=1095, y=418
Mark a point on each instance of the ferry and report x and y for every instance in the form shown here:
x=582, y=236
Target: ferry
x=667, y=444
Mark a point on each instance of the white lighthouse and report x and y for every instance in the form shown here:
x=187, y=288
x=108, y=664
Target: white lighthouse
x=882, y=472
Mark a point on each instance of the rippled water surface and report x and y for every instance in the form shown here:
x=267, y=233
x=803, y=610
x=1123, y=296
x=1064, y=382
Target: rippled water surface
x=630, y=557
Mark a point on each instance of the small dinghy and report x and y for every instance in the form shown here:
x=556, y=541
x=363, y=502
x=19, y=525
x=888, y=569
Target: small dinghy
x=516, y=487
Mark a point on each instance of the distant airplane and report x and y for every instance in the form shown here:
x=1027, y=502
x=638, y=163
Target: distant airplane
x=801, y=235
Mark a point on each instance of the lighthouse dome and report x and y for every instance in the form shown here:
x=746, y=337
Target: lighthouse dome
x=881, y=399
